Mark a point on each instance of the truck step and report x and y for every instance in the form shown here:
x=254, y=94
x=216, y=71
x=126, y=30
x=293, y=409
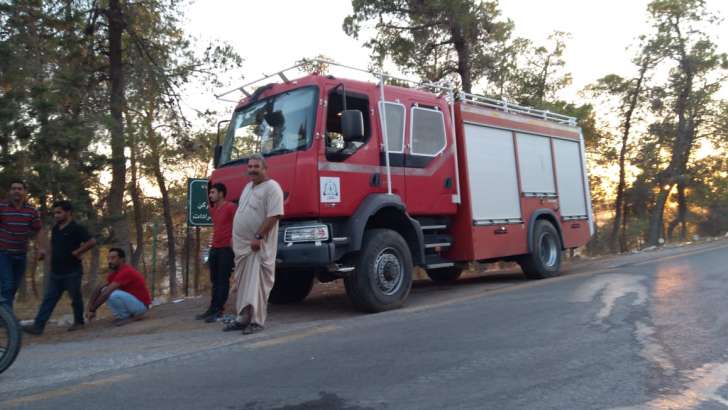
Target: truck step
x=433, y=261
x=433, y=227
x=437, y=241
x=429, y=223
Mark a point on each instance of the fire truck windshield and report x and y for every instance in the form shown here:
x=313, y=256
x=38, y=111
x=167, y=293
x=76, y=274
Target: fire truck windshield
x=274, y=125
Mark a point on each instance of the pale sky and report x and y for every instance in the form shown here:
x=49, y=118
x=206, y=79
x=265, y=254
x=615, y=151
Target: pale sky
x=271, y=35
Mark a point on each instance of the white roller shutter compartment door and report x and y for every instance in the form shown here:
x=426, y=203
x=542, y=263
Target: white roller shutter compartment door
x=492, y=174
x=570, y=177
x=534, y=162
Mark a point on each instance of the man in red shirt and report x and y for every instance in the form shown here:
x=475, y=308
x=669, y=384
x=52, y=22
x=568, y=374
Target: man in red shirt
x=125, y=291
x=222, y=259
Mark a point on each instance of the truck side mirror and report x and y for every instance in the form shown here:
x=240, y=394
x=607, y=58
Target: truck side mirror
x=216, y=155
x=352, y=125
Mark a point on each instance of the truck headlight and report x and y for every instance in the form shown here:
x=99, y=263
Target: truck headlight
x=308, y=233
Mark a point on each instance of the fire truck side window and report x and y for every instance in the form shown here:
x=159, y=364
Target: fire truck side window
x=336, y=148
x=394, y=116
x=428, y=132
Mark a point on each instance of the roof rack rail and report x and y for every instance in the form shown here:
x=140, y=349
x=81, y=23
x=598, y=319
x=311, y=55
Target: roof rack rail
x=441, y=88
x=505, y=106
x=438, y=87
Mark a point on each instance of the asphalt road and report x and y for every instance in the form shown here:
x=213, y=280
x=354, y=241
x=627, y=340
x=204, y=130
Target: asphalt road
x=643, y=331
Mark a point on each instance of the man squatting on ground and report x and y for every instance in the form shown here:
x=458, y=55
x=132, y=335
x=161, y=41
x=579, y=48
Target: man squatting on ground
x=125, y=292
x=69, y=241
x=255, y=243
x=222, y=259
x=19, y=222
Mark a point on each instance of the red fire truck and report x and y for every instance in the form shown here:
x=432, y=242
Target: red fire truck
x=379, y=179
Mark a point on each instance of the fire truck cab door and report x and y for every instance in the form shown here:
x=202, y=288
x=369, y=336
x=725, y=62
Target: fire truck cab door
x=350, y=170
x=429, y=160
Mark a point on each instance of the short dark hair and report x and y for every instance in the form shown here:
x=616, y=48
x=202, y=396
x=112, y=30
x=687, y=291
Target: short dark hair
x=18, y=181
x=65, y=205
x=119, y=252
x=220, y=187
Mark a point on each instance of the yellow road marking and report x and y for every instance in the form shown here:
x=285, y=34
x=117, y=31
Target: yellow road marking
x=63, y=391
x=289, y=338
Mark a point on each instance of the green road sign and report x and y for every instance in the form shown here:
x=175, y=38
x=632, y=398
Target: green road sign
x=197, y=213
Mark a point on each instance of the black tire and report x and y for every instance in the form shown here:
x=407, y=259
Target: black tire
x=291, y=286
x=383, y=276
x=545, y=260
x=445, y=275
x=10, y=338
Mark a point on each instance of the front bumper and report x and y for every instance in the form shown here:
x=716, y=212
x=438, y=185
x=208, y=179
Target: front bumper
x=305, y=254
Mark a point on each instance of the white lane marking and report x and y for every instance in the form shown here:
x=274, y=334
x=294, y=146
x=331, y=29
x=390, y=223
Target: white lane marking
x=704, y=385
x=652, y=350
x=611, y=287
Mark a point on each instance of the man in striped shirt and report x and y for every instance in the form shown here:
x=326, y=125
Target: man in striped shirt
x=19, y=222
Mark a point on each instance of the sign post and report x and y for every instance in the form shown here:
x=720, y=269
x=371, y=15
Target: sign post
x=197, y=212
x=197, y=215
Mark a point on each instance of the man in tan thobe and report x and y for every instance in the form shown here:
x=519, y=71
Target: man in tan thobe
x=255, y=242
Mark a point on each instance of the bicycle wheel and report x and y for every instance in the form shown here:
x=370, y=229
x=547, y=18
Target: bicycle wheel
x=10, y=338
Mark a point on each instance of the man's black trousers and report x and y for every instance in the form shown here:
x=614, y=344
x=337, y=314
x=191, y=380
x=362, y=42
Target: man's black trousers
x=221, y=261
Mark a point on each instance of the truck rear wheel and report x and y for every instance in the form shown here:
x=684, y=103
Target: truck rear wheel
x=545, y=259
x=445, y=275
x=383, y=276
x=291, y=286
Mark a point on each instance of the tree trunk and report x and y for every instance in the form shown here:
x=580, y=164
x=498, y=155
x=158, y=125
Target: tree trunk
x=540, y=92
x=93, y=277
x=137, y=203
x=119, y=224
x=464, y=70
x=681, y=148
x=681, y=152
x=656, y=229
x=618, y=208
x=167, y=211
x=462, y=47
x=187, y=247
x=32, y=273
x=633, y=101
x=46, y=266
x=623, y=231
x=680, y=218
x=169, y=224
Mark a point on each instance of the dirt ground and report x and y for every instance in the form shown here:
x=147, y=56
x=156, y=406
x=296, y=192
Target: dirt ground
x=327, y=301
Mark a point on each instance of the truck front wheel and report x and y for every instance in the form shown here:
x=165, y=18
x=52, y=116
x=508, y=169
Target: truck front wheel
x=383, y=276
x=545, y=259
x=291, y=286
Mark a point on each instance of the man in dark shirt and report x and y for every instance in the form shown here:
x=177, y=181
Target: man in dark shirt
x=19, y=222
x=222, y=258
x=69, y=241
